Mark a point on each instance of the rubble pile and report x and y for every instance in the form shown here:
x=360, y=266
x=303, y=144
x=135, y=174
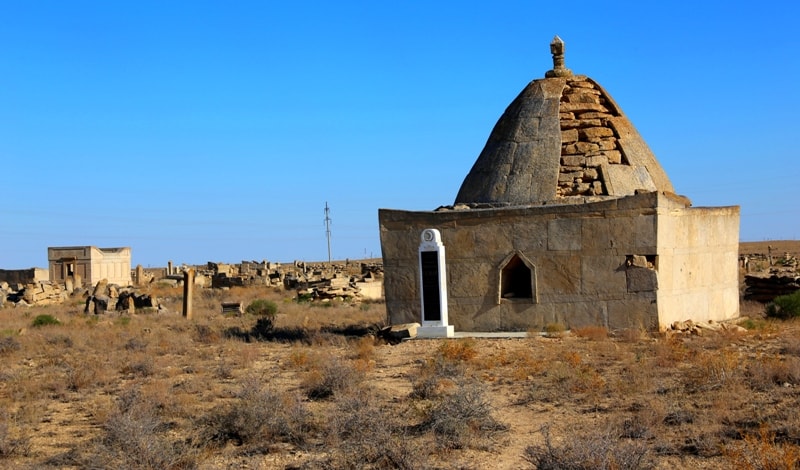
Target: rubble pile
x=38, y=293
x=325, y=290
x=766, y=286
x=344, y=281
x=701, y=328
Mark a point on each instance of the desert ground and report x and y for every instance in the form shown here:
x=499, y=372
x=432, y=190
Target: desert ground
x=319, y=390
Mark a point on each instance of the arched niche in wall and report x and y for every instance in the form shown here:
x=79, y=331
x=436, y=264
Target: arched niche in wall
x=517, y=282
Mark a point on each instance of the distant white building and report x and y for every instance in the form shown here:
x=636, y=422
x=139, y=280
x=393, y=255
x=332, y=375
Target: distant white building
x=90, y=264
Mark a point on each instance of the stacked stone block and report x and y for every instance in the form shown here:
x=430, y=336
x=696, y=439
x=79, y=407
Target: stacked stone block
x=588, y=139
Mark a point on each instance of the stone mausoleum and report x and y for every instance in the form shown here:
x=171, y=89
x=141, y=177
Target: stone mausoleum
x=567, y=217
x=90, y=264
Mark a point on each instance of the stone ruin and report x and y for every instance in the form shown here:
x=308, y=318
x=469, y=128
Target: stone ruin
x=347, y=281
x=567, y=217
x=768, y=276
x=103, y=297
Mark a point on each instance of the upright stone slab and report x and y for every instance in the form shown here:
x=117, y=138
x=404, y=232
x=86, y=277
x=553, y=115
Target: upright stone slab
x=139, y=275
x=433, y=287
x=188, y=285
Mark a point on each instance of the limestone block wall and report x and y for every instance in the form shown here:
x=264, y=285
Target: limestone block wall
x=63, y=259
x=113, y=264
x=592, y=264
x=698, y=264
x=23, y=276
x=91, y=264
x=642, y=261
x=601, y=153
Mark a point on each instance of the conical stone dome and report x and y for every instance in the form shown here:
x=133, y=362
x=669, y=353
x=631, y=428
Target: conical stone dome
x=562, y=140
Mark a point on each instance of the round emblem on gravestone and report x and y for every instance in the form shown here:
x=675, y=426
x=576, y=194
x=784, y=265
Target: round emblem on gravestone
x=428, y=235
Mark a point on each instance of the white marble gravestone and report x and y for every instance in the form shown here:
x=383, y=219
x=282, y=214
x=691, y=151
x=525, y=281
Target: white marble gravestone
x=433, y=287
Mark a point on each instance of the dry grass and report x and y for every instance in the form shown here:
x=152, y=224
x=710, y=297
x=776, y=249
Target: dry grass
x=153, y=390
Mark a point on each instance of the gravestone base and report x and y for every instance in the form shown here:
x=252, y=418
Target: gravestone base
x=436, y=331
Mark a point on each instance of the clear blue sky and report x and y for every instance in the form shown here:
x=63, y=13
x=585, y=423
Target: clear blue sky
x=216, y=131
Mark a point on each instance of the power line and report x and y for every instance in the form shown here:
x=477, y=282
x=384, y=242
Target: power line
x=328, y=229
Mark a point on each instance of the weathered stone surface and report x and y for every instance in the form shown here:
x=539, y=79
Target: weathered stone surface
x=581, y=98
x=596, y=161
x=578, y=107
x=593, y=115
x=573, y=160
x=607, y=144
x=588, y=202
x=569, y=135
x=593, y=134
x=101, y=304
x=396, y=333
x=568, y=177
x=529, y=145
x=580, y=82
x=581, y=188
x=564, y=234
x=624, y=180
x=585, y=147
x=101, y=288
x=613, y=156
x=641, y=279
x=559, y=275
x=578, y=123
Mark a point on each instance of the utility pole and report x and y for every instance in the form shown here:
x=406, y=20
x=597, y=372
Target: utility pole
x=328, y=230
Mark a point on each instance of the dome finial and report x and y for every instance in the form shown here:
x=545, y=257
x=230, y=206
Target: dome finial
x=557, y=49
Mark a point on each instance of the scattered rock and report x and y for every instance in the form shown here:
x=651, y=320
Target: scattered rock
x=394, y=334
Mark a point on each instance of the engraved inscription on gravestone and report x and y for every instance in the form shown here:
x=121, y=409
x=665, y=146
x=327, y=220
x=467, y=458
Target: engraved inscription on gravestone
x=429, y=260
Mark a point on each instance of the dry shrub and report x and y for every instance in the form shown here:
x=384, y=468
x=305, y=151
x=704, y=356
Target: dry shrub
x=135, y=436
x=364, y=348
x=598, y=450
x=767, y=371
x=362, y=434
x=712, y=370
x=205, y=334
x=224, y=369
x=330, y=377
x=518, y=364
x=435, y=376
x=634, y=378
x=246, y=354
x=555, y=330
x=524, y=364
x=565, y=377
x=135, y=344
x=751, y=309
x=791, y=345
x=257, y=417
x=458, y=350
x=592, y=333
x=571, y=357
x=463, y=419
x=11, y=446
x=643, y=422
x=138, y=365
x=84, y=375
x=631, y=335
x=761, y=452
x=300, y=358
x=8, y=344
x=669, y=352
